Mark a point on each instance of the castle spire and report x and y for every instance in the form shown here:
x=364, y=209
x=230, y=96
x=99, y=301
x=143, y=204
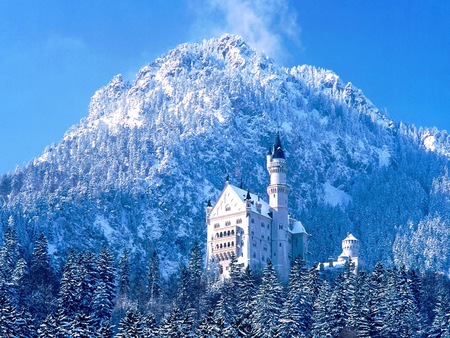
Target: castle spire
x=248, y=195
x=277, y=149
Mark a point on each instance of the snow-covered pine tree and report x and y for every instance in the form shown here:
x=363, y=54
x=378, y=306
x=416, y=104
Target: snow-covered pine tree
x=154, y=283
x=358, y=319
x=124, y=274
x=247, y=289
x=377, y=300
x=81, y=326
x=441, y=321
x=268, y=305
x=105, y=288
x=296, y=316
x=130, y=326
x=40, y=282
x=321, y=327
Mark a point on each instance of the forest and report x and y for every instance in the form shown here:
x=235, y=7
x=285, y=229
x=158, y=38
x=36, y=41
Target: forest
x=96, y=295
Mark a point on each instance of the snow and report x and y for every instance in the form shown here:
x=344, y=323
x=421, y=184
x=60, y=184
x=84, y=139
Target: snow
x=103, y=224
x=384, y=157
x=298, y=228
x=335, y=197
x=429, y=142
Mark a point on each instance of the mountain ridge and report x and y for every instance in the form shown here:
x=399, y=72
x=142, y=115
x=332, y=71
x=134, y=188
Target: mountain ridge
x=136, y=171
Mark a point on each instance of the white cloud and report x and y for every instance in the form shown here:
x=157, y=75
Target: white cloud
x=265, y=24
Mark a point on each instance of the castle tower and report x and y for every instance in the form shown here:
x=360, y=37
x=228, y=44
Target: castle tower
x=278, y=192
x=350, y=247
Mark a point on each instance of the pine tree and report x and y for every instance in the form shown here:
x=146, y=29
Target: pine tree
x=8, y=315
x=292, y=321
x=150, y=326
x=338, y=306
x=247, y=289
x=358, y=319
x=377, y=300
x=192, y=287
x=104, y=331
x=154, y=282
x=207, y=327
x=124, y=274
x=105, y=290
x=321, y=327
x=268, y=305
x=81, y=326
x=41, y=280
x=441, y=321
x=9, y=256
x=48, y=328
x=130, y=325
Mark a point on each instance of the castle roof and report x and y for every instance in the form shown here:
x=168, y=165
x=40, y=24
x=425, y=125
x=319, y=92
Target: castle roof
x=277, y=149
x=350, y=237
x=243, y=195
x=298, y=228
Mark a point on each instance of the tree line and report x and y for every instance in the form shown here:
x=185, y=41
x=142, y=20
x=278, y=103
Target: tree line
x=95, y=296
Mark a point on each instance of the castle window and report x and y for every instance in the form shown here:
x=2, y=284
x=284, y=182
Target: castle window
x=221, y=245
x=254, y=244
x=232, y=243
x=217, y=246
x=227, y=208
x=221, y=234
x=216, y=225
x=228, y=233
x=280, y=227
x=229, y=244
x=253, y=221
x=262, y=224
x=265, y=247
x=280, y=245
x=254, y=255
x=227, y=223
x=232, y=232
x=239, y=221
x=262, y=258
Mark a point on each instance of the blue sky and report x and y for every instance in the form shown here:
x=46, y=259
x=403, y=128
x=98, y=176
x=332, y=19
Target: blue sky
x=55, y=54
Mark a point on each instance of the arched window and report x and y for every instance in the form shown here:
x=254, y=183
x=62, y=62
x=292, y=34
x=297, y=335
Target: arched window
x=232, y=232
x=221, y=245
x=228, y=233
x=221, y=234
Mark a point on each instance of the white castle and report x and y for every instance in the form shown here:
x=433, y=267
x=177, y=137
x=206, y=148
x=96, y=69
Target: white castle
x=243, y=224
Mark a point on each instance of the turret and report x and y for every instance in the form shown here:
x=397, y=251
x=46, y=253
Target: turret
x=208, y=211
x=278, y=192
x=350, y=247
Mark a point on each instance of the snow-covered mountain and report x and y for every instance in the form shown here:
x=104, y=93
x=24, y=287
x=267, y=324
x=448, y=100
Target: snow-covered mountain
x=137, y=171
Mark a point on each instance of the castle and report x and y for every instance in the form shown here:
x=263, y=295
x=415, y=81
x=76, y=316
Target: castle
x=256, y=232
